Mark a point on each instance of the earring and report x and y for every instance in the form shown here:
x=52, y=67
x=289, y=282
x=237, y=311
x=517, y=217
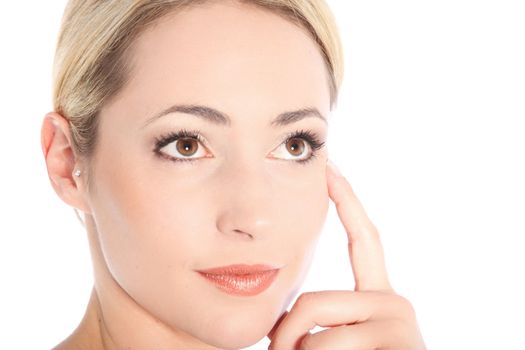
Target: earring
x=77, y=172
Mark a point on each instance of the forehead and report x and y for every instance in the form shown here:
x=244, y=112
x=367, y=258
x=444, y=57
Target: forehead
x=231, y=56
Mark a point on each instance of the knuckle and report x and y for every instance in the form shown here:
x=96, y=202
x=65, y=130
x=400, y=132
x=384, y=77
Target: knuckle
x=405, y=307
x=408, y=305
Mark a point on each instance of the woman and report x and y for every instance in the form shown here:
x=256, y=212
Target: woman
x=191, y=135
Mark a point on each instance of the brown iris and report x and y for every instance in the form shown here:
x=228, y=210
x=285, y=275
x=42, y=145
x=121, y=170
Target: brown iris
x=295, y=146
x=187, y=147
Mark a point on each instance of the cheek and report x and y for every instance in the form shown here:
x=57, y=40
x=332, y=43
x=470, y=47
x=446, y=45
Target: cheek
x=306, y=207
x=306, y=210
x=146, y=231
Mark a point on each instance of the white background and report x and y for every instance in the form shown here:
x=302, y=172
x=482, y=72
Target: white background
x=429, y=130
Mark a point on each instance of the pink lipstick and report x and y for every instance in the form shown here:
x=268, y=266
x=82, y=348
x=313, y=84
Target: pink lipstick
x=243, y=280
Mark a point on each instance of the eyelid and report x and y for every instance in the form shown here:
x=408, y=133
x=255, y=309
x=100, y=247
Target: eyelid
x=172, y=136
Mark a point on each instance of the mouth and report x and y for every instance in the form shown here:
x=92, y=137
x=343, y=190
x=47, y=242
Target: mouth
x=241, y=279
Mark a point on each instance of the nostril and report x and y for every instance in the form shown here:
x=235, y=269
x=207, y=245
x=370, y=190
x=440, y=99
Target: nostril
x=244, y=233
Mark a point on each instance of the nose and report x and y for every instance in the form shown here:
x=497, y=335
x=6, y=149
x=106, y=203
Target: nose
x=246, y=201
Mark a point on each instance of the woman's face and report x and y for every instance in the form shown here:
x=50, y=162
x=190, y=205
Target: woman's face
x=244, y=199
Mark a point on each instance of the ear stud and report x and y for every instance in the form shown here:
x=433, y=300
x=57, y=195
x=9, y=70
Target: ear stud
x=78, y=172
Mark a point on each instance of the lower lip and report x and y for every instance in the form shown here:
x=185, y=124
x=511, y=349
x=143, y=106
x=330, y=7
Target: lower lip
x=242, y=284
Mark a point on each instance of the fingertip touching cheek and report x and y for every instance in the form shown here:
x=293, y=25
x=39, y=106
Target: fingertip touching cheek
x=214, y=154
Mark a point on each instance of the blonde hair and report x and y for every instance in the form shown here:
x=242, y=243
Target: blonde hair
x=91, y=60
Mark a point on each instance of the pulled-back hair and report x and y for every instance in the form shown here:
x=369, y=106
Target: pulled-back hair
x=92, y=56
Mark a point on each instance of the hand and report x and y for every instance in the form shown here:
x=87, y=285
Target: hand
x=369, y=318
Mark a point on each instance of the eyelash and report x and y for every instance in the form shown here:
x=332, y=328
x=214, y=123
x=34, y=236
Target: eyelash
x=310, y=137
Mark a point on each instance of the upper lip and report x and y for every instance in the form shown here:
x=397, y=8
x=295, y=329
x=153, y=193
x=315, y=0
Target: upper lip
x=239, y=269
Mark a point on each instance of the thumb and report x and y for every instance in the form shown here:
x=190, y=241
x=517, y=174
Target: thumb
x=276, y=325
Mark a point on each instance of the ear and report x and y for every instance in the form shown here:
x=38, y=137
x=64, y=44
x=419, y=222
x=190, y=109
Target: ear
x=61, y=162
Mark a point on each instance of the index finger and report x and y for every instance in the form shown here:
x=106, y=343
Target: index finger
x=364, y=245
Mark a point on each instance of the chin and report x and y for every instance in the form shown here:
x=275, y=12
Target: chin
x=241, y=328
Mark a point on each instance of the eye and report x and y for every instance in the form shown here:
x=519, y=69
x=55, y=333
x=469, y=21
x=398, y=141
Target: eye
x=301, y=145
x=187, y=145
x=182, y=145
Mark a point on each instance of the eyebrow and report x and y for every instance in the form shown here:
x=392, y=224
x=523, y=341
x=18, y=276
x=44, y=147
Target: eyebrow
x=219, y=118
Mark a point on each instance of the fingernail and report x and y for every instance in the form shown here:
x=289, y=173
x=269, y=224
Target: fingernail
x=334, y=168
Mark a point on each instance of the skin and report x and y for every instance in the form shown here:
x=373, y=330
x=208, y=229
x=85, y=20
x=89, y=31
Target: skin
x=151, y=221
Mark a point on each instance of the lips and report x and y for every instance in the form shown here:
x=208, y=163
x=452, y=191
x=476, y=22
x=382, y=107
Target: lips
x=241, y=279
